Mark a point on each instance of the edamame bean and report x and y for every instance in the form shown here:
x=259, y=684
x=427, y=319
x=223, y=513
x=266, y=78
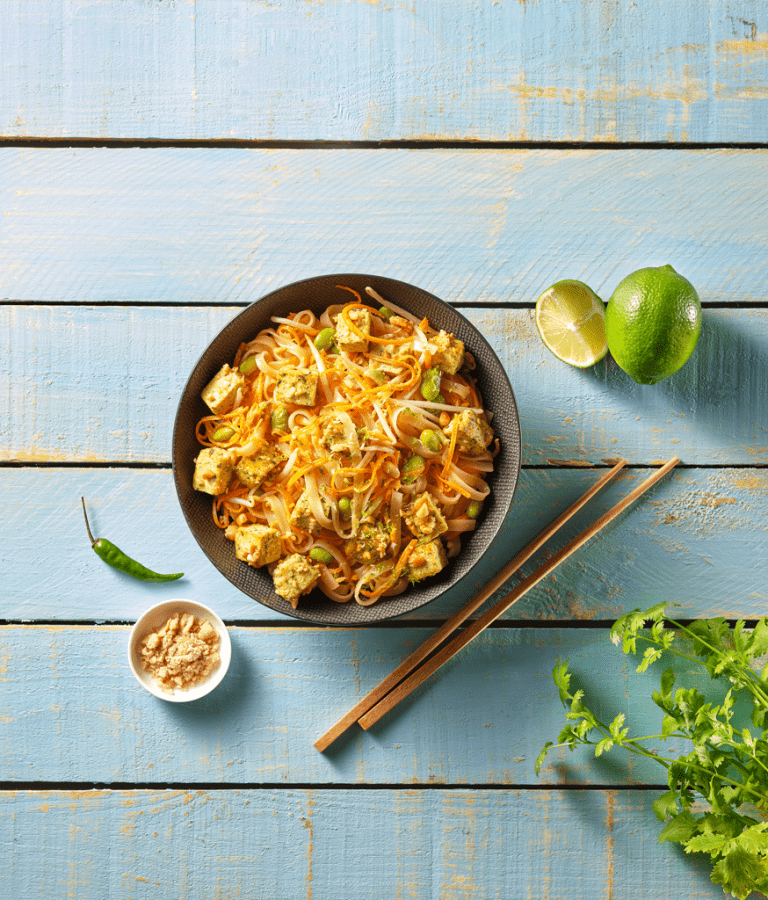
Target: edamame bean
x=430, y=440
x=345, y=508
x=474, y=508
x=279, y=419
x=385, y=313
x=325, y=339
x=224, y=433
x=321, y=555
x=248, y=365
x=430, y=384
x=414, y=465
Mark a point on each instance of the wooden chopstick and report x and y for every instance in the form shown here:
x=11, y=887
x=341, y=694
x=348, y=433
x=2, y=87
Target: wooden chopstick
x=422, y=652
x=402, y=690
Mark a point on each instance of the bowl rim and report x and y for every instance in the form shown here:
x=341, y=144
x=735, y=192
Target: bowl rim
x=167, y=608
x=331, y=277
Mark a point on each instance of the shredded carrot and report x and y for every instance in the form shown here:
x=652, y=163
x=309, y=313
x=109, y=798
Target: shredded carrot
x=451, y=450
x=455, y=487
x=295, y=477
x=404, y=558
x=361, y=334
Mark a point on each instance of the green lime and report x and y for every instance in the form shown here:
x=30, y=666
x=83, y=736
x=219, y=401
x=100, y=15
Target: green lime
x=652, y=322
x=571, y=322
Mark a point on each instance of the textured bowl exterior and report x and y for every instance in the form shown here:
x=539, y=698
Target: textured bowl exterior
x=317, y=294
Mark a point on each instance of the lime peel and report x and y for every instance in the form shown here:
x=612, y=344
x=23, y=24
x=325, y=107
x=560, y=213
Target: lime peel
x=652, y=323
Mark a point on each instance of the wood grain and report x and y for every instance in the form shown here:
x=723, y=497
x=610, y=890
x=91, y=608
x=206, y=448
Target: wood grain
x=700, y=540
x=338, y=844
x=225, y=226
x=98, y=385
x=482, y=720
x=525, y=71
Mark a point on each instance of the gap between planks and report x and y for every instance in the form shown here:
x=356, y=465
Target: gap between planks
x=47, y=786
x=96, y=143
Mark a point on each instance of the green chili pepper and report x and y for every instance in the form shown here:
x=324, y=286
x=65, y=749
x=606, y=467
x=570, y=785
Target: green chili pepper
x=223, y=434
x=414, y=465
x=324, y=339
x=115, y=557
x=430, y=440
x=248, y=365
x=385, y=313
x=474, y=508
x=321, y=555
x=279, y=419
x=439, y=399
x=430, y=384
x=345, y=507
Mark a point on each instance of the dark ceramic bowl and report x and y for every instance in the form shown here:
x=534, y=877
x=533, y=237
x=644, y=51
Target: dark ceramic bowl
x=317, y=294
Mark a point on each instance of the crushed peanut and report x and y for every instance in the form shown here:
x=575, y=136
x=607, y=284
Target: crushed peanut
x=181, y=653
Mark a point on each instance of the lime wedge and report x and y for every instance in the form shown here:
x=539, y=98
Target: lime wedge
x=571, y=322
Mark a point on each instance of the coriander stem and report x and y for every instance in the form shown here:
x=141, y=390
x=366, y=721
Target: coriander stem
x=630, y=746
x=755, y=685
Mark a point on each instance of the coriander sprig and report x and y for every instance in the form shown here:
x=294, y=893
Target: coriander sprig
x=725, y=766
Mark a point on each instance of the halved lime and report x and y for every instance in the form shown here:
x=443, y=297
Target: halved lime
x=571, y=322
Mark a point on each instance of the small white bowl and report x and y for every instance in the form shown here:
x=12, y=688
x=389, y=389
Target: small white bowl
x=158, y=615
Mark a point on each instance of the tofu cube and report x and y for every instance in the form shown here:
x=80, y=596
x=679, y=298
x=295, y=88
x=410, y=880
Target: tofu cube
x=449, y=353
x=426, y=560
x=303, y=517
x=424, y=519
x=295, y=385
x=213, y=469
x=294, y=576
x=473, y=434
x=370, y=544
x=220, y=393
x=335, y=439
x=346, y=338
x=258, y=545
x=252, y=470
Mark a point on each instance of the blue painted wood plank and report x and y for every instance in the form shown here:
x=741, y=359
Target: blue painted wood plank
x=227, y=226
x=339, y=844
x=482, y=719
x=544, y=71
x=699, y=539
x=102, y=384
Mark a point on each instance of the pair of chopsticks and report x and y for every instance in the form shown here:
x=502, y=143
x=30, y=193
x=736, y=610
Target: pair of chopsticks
x=407, y=677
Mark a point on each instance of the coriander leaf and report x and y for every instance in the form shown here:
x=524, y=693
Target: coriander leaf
x=541, y=757
x=739, y=872
x=665, y=806
x=679, y=829
x=603, y=746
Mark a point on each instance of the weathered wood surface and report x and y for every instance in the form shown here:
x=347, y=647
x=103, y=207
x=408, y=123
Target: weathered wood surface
x=526, y=71
x=482, y=719
x=118, y=265
x=102, y=384
x=226, y=226
x=332, y=845
x=699, y=538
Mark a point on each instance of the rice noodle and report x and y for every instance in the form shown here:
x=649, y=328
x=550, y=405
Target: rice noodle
x=444, y=407
x=340, y=469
